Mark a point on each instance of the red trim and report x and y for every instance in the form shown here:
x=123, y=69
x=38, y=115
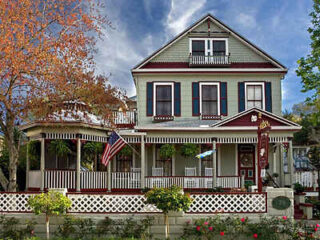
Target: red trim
x=306, y=204
x=253, y=168
x=215, y=72
x=186, y=65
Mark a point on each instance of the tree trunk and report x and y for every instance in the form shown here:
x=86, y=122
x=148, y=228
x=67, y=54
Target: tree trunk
x=166, y=221
x=47, y=227
x=13, y=157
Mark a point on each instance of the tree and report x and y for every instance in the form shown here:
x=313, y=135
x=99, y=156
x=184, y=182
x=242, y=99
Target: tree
x=46, y=59
x=309, y=66
x=314, y=158
x=169, y=199
x=50, y=203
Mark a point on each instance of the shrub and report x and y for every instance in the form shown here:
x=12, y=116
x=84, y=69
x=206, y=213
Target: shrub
x=298, y=188
x=167, y=151
x=169, y=199
x=189, y=150
x=10, y=229
x=51, y=203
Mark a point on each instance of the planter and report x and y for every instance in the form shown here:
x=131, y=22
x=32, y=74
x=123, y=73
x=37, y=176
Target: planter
x=299, y=198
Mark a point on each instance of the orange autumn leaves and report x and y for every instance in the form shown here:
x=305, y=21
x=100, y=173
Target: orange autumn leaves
x=46, y=57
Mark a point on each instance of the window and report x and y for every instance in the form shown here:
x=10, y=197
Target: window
x=219, y=48
x=210, y=99
x=165, y=164
x=163, y=99
x=209, y=46
x=255, y=95
x=123, y=163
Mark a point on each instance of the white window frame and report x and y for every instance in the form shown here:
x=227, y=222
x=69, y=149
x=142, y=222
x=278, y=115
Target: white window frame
x=155, y=96
x=218, y=94
x=206, y=44
x=263, y=92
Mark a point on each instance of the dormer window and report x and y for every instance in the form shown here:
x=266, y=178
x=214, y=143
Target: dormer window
x=208, y=51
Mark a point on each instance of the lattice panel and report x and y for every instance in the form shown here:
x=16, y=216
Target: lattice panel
x=14, y=202
x=107, y=203
x=228, y=203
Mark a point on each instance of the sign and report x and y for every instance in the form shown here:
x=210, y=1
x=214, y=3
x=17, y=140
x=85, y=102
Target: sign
x=263, y=173
x=281, y=203
x=263, y=142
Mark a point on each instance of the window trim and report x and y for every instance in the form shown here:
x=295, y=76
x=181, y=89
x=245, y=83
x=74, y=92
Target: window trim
x=206, y=50
x=218, y=95
x=155, y=84
x=263, y=93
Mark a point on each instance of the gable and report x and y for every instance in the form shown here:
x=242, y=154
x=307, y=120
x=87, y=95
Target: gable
x=241, y=50
x=249, y=118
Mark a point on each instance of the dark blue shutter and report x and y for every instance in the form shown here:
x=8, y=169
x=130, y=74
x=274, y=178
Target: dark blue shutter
x=242, y=101
x=177, y=99
x=195, y=99
x=223, y=99
x=268, y=99
x=149, y=99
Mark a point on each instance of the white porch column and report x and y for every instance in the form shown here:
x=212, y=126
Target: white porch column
x=109, y=176
x=27, y=167
x=142, y=162
x=78, y=163
x=214, y=163
x=173, y=162
x=153, y=155
x=274, y=163
x=199, y=166
x=290, y=162
x=42, y=161
x=281, y=169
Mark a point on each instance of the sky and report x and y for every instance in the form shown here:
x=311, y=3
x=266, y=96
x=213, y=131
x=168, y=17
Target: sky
x=140, y=27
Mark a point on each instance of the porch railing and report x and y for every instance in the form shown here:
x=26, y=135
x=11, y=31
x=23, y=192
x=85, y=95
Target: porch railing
x=126, y=180
x=60, y=179
x=125, y=118
x=193, y=182
x=195, y=60
x=307, y=178
x=93, y=180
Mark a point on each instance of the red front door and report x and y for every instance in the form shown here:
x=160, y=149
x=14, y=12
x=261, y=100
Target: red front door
x=246, y=162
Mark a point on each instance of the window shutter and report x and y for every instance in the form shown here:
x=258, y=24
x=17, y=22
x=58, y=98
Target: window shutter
x=177, y=99
x=223, y=99
x=241, y=95
x=149, y=99
x=195, y=99
x=268, y=99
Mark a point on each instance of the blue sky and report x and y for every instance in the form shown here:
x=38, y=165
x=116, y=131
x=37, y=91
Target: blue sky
x=141, y=26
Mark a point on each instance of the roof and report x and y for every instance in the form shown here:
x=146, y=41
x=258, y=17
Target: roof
x=223, y=26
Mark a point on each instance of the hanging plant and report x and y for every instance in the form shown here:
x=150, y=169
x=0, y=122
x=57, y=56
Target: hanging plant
x=126, y=151
x=167, y=151
x=189, y=150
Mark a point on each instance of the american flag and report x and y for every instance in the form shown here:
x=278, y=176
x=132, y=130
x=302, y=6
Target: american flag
x=114, y=145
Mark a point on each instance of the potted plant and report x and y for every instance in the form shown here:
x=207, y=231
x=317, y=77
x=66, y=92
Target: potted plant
x=168, y=199
x=189, y=150
x=167, y=151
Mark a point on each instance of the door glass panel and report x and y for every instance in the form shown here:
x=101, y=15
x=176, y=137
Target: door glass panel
x=246, y=160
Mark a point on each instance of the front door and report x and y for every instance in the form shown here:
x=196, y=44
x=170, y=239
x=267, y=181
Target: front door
x=246, y=161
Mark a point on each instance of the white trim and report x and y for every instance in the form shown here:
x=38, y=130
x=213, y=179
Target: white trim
x=236, y=159
x=214, y=128
x=263, y=93
x=154, y=155
x=211, y=44
x=218, y=95
x=219, y=160
x=209, y=70
x=155, y=84
x=256, y=161
x=233, y=33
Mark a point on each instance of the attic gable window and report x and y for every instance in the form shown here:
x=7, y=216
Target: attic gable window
x=198, y=47
x=208, y=46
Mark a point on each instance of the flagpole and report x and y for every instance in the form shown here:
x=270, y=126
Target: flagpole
x=128, y=144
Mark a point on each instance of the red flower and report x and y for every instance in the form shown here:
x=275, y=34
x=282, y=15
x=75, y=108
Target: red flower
x=284, y=218
x=32, y=232
x=210, y=228
x=316, y=229
x=205, y=223
x=318, y=225
x=243, y=219
x=255, y=235
x=221, y=233
x=198, y=228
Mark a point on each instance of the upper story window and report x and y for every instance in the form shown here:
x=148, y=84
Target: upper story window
x=209, y=99
x=255, y=95
x=163, y=93
x=209, y=46
x=219, y=48
x=198, y=47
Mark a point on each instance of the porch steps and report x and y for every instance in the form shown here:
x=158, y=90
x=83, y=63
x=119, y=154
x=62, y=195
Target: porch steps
x=298, y=213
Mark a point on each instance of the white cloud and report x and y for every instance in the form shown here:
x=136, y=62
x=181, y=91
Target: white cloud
x=246, y=20
x=181, y=13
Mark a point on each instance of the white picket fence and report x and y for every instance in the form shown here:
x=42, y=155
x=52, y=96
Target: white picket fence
x=193, y=182
x=307, y=178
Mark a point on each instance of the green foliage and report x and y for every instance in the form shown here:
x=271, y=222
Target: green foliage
x=298, y=188
x=167, y=151
x=126, y=151
x=51, y=203
x=242, y=228
x=85, y=228
x=59, y=147
x=169, y=199
x=309, y=66
x=189, y=150
x=10, y=230
x=314, y=156
x=34, y=154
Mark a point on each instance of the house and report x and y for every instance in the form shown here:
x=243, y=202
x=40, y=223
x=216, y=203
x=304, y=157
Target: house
x=209, y=87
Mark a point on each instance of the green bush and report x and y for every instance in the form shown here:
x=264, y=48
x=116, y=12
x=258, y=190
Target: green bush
x=10, y=230
x=189, y=150
x=298, y=188
x=167, y=151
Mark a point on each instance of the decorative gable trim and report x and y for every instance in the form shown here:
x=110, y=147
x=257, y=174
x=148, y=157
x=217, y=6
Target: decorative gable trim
x=282, y=122
x=221, y=25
